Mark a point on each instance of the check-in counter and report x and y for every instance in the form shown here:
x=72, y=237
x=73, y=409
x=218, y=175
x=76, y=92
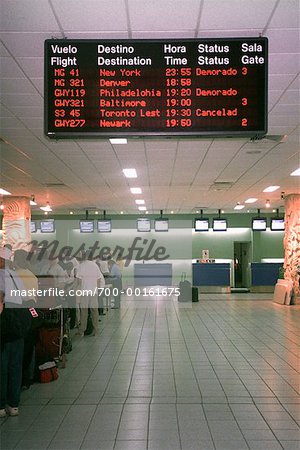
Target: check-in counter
x=264, y=276
x=212, y=277
x=159, y=274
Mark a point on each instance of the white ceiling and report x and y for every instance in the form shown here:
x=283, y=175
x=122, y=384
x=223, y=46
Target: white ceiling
x=174, y=174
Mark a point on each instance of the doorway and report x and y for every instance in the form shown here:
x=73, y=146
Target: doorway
x=242, y=252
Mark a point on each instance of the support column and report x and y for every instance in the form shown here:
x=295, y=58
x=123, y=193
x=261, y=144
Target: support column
x=291, y=241
x=16, y=222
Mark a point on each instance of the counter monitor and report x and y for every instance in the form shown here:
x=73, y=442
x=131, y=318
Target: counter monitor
x=201, y=224
x=277, y=224
x=33, y=227
x=259, y=224
x=47, y=226
x=104, y=226
x=161, y=224
x=86, y=226
x=143, y=225
x=219, y=224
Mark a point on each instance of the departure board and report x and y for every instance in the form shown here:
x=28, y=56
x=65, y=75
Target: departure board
x=188, y=87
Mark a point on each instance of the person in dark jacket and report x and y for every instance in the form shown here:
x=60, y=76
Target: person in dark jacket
x=15, y=323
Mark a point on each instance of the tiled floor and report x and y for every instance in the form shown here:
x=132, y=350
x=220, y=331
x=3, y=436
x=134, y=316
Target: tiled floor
x=218, y=375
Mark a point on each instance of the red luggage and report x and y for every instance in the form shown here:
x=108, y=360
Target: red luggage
x=48, y=344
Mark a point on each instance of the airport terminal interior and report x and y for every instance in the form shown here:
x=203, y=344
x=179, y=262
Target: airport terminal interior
x=162, y=138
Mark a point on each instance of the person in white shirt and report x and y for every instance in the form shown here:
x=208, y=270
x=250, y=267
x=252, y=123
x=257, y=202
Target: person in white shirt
x=71, y=265
x=90, y=275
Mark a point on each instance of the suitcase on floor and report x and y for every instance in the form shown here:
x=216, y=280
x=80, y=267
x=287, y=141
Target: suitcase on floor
x=195, y=294
x=48, y=344
x=185, y=288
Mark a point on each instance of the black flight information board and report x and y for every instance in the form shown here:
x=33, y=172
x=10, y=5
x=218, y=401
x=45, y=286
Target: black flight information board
x=188, y=87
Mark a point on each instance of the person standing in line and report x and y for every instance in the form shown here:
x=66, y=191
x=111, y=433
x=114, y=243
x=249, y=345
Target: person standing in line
x=22, y=268
x=104, y=269
x=120, y=262
x=116, y=278
x=89, y=275
x=70, y=265
x=15, y=322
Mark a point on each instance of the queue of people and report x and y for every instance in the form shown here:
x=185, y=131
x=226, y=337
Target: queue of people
x=20, y=316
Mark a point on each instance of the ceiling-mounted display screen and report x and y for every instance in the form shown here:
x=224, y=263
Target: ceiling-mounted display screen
x=201, y=224
x=143, y=225
x=259, y=224
x=47, y=226
x=183, y=87
x=104, y=226
x=86, y=226
x=277, y=224
x=161, y=224
x=219, y=224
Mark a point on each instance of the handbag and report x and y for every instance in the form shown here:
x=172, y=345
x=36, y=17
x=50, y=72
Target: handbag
x=48, y=372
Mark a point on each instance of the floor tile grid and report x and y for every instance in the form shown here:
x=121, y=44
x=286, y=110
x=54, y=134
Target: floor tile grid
x=250, y=333
x=80, y=359
x=31, y=429
x=117, y=429
x=180, y=426
x=275, y=335
x=225, y=433
x=169, y=341
x=174, y=380
x=123, y=411
x=163, y=422
x=275, y=434
x=64, y=430
x=250, y=345
x=259, y=339
x=242, y=431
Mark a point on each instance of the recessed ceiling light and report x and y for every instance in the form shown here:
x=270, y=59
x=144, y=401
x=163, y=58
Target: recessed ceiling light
x=96, y=212
x=172, y=212
x=296, y=173
x=251, y=200
x=136, y=190
x=239, y=207
x=147, y=212
x=130, y=173
x=142, y=208
x=121, y=212
x=140, y=202
x=271, y=188
x=118, y=141
x=4, y=192
x=71, y=212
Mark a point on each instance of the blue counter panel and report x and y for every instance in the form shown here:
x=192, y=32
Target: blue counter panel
x=264, y=274
x=153, y=275
x=205, y=274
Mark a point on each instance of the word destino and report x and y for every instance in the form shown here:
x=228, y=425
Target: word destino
x=145, y=251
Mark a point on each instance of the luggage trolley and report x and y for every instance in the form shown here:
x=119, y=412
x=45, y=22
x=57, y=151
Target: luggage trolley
x=55, y=340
